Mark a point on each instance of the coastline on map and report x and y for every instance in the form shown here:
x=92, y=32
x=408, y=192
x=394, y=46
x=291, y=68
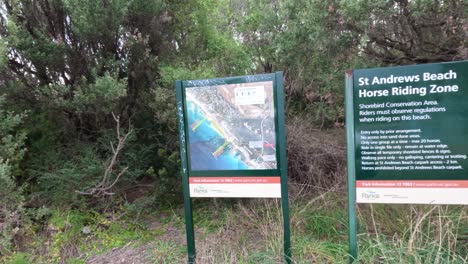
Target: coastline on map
x=221, y=131
x=203, y=142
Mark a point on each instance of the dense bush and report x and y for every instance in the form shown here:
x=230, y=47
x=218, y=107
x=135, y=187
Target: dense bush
x=60, y=173
x=76, y=65
x=316, y=158
x=12, y=150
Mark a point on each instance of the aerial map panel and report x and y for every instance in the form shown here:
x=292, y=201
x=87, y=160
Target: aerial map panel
x=231, y=127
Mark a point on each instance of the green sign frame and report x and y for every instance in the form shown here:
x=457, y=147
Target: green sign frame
x=407, y=136
x=280, y=137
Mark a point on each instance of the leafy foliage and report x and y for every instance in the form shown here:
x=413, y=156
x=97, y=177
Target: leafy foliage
x=73, y=64
x=11, y=153
x=406, y=32
x=66, y=172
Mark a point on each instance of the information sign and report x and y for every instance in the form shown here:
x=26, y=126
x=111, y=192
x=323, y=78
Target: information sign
x=407, y=137
x=411, y=134
x=232, y=142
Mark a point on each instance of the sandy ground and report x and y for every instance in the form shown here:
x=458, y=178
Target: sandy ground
x=128, y=254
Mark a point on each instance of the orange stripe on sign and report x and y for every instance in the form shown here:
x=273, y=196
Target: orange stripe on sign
x=234, y=180
x=412, y=184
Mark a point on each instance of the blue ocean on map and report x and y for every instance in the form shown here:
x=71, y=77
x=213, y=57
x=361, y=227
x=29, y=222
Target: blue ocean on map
x=204, y=140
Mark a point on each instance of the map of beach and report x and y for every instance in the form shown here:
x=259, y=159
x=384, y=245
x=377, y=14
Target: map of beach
x=231, y=127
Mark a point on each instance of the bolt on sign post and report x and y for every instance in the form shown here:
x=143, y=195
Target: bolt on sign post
x=407, y=136
x=232, y=143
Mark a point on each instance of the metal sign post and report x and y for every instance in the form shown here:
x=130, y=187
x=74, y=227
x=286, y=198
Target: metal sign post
x=233, y=143
x=185, y=183
x=351, y=168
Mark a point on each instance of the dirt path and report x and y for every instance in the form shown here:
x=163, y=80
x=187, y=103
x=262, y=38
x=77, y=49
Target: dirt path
x=128, y=254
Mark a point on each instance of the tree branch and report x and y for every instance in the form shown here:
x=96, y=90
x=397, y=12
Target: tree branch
x=106, y=183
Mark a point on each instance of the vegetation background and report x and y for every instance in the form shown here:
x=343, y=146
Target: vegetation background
x=89, y=162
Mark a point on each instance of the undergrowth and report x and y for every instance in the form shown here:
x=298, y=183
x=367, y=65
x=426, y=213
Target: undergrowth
x=250, y=231
x=387, y=233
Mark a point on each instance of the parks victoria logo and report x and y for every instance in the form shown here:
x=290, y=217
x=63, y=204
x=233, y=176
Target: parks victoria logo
x=370, y=195
x=200, y=189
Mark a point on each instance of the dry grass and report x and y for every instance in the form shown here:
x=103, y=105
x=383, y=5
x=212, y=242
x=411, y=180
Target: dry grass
x=316, y=159
x=253, y=231
x=423, y=233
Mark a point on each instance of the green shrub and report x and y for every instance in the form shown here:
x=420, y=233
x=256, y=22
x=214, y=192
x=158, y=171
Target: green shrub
x=62, y=172
x=18, y=258
x=11, y=153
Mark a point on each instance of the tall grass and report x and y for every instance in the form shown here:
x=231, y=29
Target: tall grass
x=429, y=234
x=252, y=233
x=245, y=231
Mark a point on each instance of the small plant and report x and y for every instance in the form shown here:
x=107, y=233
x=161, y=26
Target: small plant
x=19, y=258
x=167, y=252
